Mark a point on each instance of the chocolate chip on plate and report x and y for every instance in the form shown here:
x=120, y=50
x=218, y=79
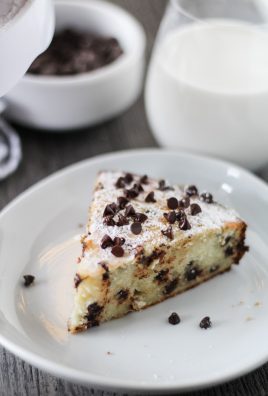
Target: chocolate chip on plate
x=150, y=197
x=172, y=203
x=117, y=251
x=28, y=280
x=205, y=323
x=191, y=190
x=136, y=228
x=168, y=232
x=106, y=241
x=174, y=318
x=195, y=209
x=206, y=197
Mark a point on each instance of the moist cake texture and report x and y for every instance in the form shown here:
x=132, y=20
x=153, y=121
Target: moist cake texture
x=147, y=240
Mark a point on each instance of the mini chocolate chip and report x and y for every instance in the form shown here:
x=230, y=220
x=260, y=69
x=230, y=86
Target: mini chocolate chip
x=110, y=209
x=170, y=217
x=130, y=211
x=131, y=193
x=105, y=275
x=122, y=202
x=162, y=186
x=118, y=251
x=77, y=280
x=120, y=183
x=184, y=224
x=206, y=197
x=162, y=275
x=192, y=272
x=122, y=220
x=122, y=294
x=140, y=217
x=144, y=179
x=128, y=178
x=191, y=190
x=168, y=232
x=109, y=221
x=174, y=318
x=171, y=286
x=94, y=310
x=28, y=280
x=106, y=242
x=136, y=228
x=150, y=197
x=184, y=203
x=229, y=251
x=172, y=203
x=195, y=209
x=119, y=241
x=205, y=323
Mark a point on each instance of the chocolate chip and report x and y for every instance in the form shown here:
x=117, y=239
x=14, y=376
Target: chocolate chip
x=105, y=275
x=144, y=179
x=110, y=209
x=180, y=214
x=171, y=286
x=206, y=197
x=94, y=310
x=28, y=280
x=184, y=224
x=229, y=251
x=122, y=220
x=130, y=211
x=162, y=186
x=77, y=280
x=168, y=232
x=120, y=183
x=136, y=228
x=162, y=275
x=205, y=323
x=192, y=272
x=122, y=294
x=122, y=202
x=119, y=241
x=191, y=190
x=118, y=251
x=109, y=221
x=131, y=193
x=150, y=197
x=195, y=209
x=184, y=203
x=174, y=318
x=106, y=242
x=140, y=217
x=128, y=178
x=170, y=217
x=139, y=187
x=172, y=203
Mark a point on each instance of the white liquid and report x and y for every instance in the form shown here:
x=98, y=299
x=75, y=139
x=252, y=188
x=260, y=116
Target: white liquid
x=8, y=9
x=207, y=90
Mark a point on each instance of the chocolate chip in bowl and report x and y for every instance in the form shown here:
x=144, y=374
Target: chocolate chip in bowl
x=92, y=71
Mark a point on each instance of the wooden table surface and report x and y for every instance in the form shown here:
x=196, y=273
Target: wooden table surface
x=45, y=153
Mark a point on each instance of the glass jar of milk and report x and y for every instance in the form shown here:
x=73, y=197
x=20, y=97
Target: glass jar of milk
x=207, y=82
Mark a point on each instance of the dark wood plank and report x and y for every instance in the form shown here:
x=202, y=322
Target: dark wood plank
x=46, y=153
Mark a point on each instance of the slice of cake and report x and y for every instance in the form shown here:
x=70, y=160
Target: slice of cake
x=147, y=241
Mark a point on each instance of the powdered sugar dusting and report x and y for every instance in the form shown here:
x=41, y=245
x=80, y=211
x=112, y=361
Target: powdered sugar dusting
x=213, y=216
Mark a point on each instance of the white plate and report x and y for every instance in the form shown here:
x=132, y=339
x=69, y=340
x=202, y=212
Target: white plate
x=141, y=352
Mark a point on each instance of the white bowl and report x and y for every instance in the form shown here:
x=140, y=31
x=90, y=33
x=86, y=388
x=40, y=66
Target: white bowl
x=68, y=102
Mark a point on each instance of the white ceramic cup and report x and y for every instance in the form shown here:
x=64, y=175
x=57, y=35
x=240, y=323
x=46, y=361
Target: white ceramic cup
x=66, y=102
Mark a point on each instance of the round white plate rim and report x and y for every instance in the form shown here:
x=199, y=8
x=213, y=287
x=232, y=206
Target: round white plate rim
x=99, y=381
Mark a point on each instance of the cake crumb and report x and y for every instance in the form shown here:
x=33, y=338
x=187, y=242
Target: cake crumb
x=257, y=304
x=249, y=318
x=80, y=225
x=110, y=353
